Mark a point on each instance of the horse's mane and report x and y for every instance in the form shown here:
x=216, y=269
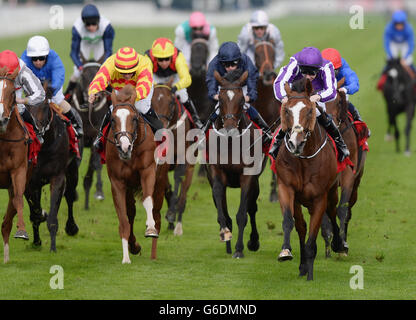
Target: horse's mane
x=125, y=93
x=3, y=71
x=299, y=85
x=233, y=75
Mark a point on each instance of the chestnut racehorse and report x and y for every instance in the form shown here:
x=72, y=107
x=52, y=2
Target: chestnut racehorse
x=266, y=103
x=306, y=168
x=174, y=119
x=13, y=158
x=229, y=169
x=131, y=167
x=350, y=177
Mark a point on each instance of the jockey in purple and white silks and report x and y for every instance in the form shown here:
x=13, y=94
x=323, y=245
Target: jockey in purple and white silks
x=309, y=63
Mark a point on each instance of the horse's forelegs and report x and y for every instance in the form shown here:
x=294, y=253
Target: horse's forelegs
x=186, y=183
x=286, y=199
x=37, y=215
x=18, y=178
x=147, y=179
x=57, y=189
x=99, y=193
x=409, y=118
x=71, y=227
x=253, y=244
x=218, y=193
x=88, y=181
x=273, y=192
x=6, y=228
x=326, y=232
x=242, y=217
x=300, y=225
x=134, y=247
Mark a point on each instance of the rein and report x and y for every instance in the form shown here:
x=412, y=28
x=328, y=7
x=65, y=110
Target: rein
x=267, y=59
x=236, y=116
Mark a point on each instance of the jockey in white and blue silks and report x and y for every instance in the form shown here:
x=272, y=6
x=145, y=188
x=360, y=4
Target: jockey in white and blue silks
x=228, y=59
x=196, y=26
x=309, y=63
x=92, y=38
x=47, y=66
x=259, y=29
x=399, y=38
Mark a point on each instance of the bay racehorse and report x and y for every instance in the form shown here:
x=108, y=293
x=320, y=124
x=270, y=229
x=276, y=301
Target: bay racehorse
x=399, y=94
x=306, y=168
x=351, y=176
x=99, y=109
x=131, y=167
x=198, y=90
x=176, y=121
x=266, y=103
x=57, y=166
x=228, y=167
x=13, y=159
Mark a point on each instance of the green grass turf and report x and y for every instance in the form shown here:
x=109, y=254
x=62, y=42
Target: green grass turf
x=195, y=266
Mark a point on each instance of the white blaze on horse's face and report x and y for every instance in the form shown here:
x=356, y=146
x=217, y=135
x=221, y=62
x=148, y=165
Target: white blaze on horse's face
x=2, y=83
x=297, y=127
x=230, y=94
x=123, y=114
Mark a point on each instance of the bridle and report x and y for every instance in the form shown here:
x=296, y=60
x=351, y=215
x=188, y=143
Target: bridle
x=232, y=116
x=171, y=104
x=266, y=61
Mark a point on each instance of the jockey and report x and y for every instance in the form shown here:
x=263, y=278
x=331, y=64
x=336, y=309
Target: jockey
x=169, y=61
x=230, y=58
x=196, y=27
x=309, y=63
x=25, y=82
x=47, y=66
x=398, y=42
x=259, y=29
x=343, y=70
x=126, y=67
x=92, y=36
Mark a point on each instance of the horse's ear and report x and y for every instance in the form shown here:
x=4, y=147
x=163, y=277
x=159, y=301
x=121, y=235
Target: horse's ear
x=218, y=77
x=287, y=89
x=243, y=78
x=340, y=83
x=308, y=87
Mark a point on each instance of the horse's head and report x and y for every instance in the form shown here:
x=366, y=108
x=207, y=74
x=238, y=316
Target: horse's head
x=88, y=73
x=199, y=56
x=7, y=97
x=163, y=102
x=124, y=120
x=264, y=56
x=298, y=115
x=231, y=98
x=398, y=79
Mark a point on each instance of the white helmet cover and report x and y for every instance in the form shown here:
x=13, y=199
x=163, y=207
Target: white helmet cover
x=37, y=46
x=259, y=18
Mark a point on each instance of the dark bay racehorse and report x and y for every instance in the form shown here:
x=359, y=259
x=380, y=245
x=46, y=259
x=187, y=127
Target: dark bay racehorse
x=399, y=94
x=266, y=103
x=350, y=177
x=131, y=167
x=306, y=169
x=13, y=159
x=230, y=168
x=58, y=166
x=175, y=119
x=198, y=90
x=99, y=109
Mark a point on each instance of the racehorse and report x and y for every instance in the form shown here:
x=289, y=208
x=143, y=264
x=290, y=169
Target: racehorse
x=198, y=90
x=174, y=118
x=306, y=169
x=58, y=166
x=266, y=103
x=350, y=177
x=131, y=167
x=399, y=94
x=232, y=172
x=99, y=109
x=13, y=159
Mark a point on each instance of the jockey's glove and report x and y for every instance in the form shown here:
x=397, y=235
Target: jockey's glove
x=174, y=89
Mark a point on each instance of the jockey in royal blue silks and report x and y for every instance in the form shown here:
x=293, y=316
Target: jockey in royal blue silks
x=309, y=63
x=343, y=70
x=92, y=37
x=228, y=59
x=47, y=66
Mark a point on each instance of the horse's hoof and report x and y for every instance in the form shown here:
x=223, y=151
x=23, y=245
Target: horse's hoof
x=273, y=197
x=238, y=255
x=151, y=233
x=253, y=245
x=135, y=249
x=99, y=196
x=407, y=153
x=388, y=138
x=37, y=244
x=71, y=229
x=285, y=255
x=225, y=234
x=178, y=229
x=126, y=261
x=303, y=270
x=171, y=226
x=21, y=234
x=170, y=216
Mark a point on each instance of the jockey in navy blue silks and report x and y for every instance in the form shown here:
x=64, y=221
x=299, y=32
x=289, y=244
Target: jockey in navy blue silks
x=230, y=58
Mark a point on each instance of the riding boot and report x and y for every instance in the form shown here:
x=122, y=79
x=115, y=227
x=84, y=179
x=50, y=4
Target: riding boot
x=69, y=90
x=189, y=105
x=259, y=121
x=76, y=121
x=326, y=121
x=274, y=150
x=152, y=118
x=27, y=117
x=97, y=142
x=354, y=112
